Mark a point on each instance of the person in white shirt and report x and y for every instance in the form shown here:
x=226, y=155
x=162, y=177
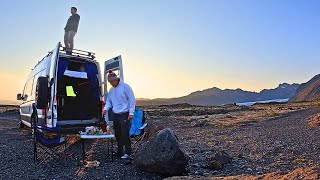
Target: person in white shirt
x=122, y=102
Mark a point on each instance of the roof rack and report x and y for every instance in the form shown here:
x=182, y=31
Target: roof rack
x=79, y=53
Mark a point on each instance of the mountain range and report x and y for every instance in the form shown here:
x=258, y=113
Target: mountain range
x=216, y=96
x=309, y=91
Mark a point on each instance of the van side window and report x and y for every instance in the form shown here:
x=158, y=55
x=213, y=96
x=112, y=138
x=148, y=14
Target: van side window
x=28, y=87
x=24, y=90
x=35, y=81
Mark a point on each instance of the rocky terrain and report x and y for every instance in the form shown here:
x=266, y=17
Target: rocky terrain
x=16, y=157
x=264, y=141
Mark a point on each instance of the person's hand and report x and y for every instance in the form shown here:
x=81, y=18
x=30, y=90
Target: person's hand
x=104, y=112
x=130, y=117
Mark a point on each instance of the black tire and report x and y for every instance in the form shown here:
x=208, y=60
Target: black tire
x=42, y=93
x=21, y=125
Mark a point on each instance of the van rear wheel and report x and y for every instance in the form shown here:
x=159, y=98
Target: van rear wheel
x=42, y=93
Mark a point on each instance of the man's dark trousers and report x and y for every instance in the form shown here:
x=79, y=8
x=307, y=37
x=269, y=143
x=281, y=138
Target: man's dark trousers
x=121, y=126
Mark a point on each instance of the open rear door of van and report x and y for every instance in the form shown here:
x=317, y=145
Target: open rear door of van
x=52, y=111
x=114, y=64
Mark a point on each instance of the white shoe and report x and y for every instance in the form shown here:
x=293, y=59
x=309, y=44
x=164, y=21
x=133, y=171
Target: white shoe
x=125, y=156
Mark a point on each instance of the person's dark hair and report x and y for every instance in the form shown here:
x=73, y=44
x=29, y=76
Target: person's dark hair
x=74, y=8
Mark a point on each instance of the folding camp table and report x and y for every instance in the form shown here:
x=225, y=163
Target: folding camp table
x=109, y=137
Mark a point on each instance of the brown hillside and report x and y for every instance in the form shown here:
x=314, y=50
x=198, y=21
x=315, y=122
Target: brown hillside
x=309, y=91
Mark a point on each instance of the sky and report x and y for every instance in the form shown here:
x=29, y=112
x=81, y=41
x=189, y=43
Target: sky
x=170, y=48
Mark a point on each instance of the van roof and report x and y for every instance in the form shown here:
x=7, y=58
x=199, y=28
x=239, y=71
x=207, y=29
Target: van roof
x=63, y=54
x=76, y=53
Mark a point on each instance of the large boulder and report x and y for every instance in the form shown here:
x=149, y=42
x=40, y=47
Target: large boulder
x=162, y=155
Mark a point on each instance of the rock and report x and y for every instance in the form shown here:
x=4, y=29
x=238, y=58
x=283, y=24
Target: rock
x=219, y=160
x=196, y=165
x=314, y=121
x=190, y=154
x=195, y=151
x=223, y=157
x=194, y=119
x=162, y=155
x=183, y=178
x=240, y=156
x=215, y=165
x=152, y=129
x=199, y=123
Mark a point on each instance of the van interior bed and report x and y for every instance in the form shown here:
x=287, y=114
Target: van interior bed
x=78, y=90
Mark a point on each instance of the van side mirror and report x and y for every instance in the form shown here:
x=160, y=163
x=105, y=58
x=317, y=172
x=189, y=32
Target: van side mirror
x=19, y=97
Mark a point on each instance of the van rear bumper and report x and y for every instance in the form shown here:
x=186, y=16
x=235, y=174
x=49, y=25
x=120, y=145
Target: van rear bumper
x=74, y=126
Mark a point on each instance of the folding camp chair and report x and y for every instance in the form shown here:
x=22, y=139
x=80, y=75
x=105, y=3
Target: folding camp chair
x=137, y=130
x=47, y=146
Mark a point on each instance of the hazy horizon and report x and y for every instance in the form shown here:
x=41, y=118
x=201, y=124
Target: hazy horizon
x=14, y=102
x=170, y=48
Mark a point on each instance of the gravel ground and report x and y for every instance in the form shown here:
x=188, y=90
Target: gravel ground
x=261, y=139
x=281, y=142
x=16, y=158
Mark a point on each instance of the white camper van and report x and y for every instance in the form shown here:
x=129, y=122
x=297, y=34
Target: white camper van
x=67, y=90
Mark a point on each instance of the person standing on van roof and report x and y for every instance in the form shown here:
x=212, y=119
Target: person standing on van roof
x=71, y=29
x=122, y=101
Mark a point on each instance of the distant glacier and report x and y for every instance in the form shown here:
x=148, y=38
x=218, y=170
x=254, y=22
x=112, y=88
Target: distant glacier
x=263, y=102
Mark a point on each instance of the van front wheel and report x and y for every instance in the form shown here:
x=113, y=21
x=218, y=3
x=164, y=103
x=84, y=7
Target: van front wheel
x=21, y=125
x=42, y=92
